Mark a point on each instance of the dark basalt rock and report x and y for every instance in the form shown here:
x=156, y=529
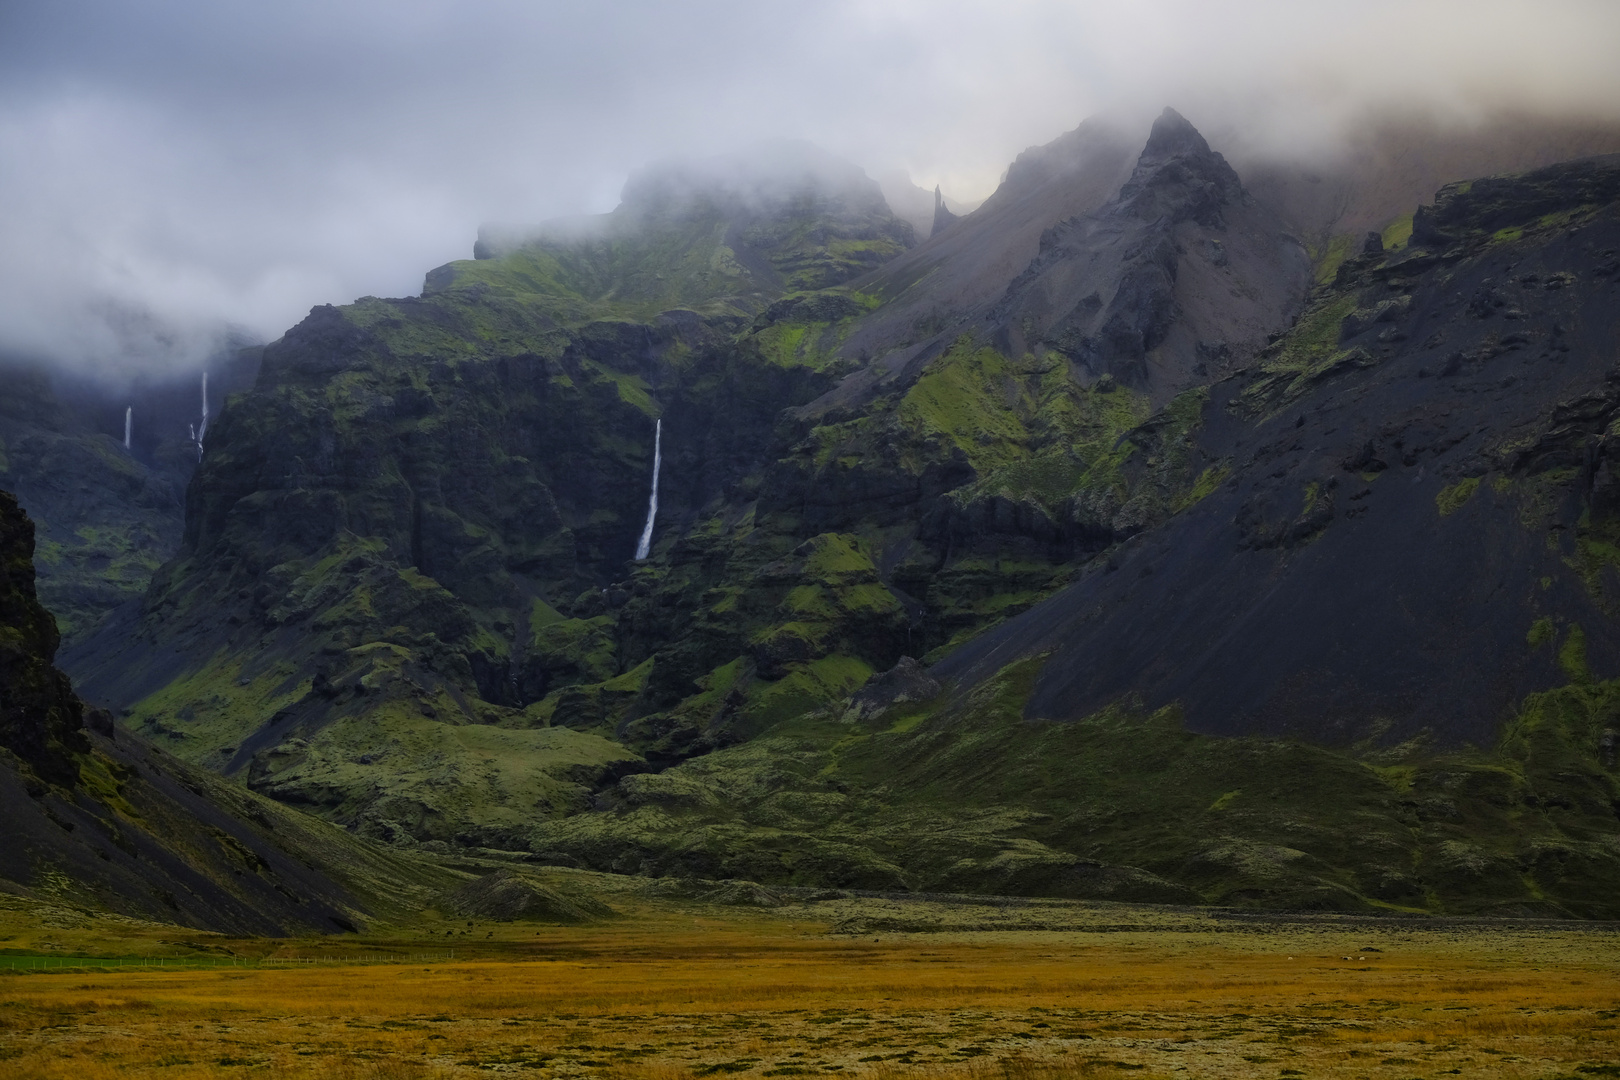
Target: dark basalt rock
x=1475, y=209
x=1180, y=256
x=943, y=218
x=41, y=721
x=1179, y=178
x=907, y=681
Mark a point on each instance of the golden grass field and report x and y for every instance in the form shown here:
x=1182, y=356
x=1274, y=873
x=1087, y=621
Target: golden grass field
x=671, y=990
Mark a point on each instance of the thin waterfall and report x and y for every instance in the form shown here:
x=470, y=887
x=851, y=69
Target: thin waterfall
x=652, y=502
x=202, y=428
x=129, y=419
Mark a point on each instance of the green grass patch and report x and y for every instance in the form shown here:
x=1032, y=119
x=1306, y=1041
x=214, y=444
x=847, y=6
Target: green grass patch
x=1398, y=232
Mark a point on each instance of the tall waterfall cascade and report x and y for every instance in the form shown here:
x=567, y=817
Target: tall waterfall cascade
x=652, y=502
x=202, y=428
x=129, y=421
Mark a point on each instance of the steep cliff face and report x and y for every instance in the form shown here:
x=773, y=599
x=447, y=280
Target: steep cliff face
x=41, y=721
x=107, y=821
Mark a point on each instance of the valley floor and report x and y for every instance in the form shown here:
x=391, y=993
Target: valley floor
x=675, y=988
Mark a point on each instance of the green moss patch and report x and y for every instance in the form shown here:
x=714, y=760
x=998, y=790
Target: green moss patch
x=1451, y=499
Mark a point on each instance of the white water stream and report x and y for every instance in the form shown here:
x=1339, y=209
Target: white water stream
x=202, y=428
x=652, y=502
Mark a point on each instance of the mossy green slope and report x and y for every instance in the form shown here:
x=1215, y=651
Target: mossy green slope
x=968, y=796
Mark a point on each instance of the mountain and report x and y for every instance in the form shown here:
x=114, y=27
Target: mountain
x=942, y=285
x=1110, y=456
x=1368, y=661
x=918, y=205
x=100, y=818
x=1182, y=270
x=417, y=522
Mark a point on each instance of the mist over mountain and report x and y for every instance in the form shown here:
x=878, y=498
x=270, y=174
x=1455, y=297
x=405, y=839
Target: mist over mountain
x=165, y=197
x=996, y=505
x=1223, y=510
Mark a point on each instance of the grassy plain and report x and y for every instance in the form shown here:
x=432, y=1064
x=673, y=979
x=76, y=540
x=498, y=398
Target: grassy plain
x=679, y=987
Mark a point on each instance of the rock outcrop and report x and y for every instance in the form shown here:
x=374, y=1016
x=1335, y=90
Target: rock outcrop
x=41, y=720
x=942, y=214
x=506, y=896
x=1164, y=284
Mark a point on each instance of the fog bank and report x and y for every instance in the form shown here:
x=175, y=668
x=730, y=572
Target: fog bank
x=176, y=171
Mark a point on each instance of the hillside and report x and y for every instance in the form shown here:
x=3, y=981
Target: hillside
x=99, y=819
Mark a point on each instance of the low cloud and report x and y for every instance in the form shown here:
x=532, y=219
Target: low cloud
x=179, y=170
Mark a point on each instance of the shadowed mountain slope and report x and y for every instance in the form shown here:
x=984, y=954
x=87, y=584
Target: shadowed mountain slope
x=1412, y=481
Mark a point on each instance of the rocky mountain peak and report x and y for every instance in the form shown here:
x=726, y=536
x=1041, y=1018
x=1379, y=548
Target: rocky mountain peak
x=1178, y=177
x=1172, y=135
x=942, y=213
x=1141, y=290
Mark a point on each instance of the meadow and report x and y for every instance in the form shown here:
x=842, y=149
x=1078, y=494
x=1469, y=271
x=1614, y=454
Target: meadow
x=673, y=988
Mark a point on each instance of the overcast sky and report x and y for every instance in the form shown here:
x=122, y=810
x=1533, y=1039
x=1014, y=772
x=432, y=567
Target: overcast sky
x=172, y=167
